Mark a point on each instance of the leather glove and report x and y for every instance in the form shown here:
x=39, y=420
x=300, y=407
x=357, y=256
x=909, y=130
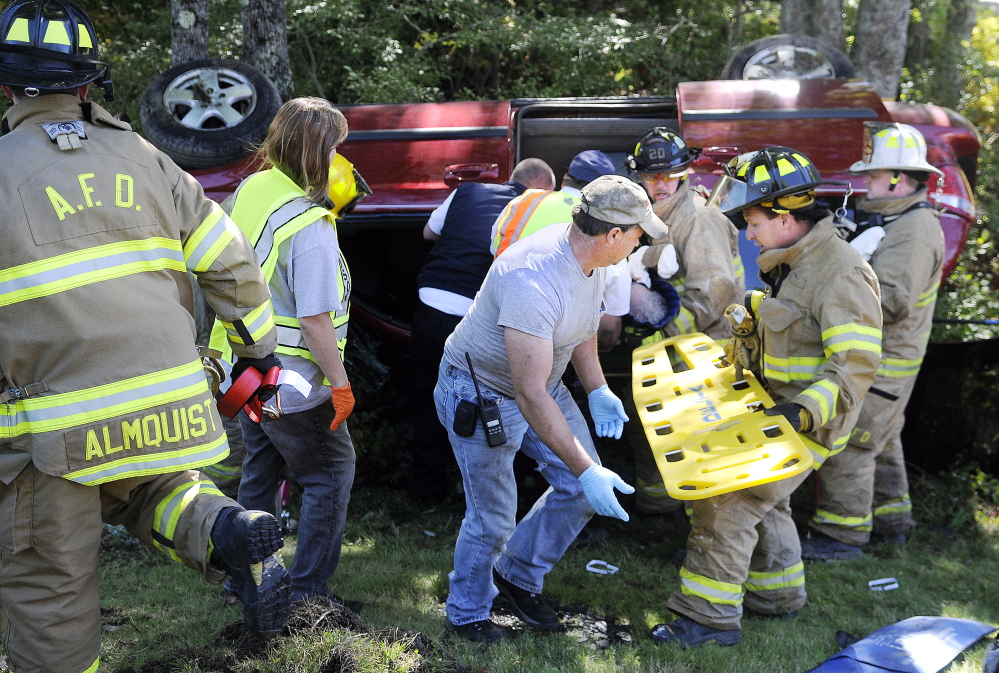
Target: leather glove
x=343, y=405
x=598, y=486
x=607, y=412
x=262, y=365
x=796, y=415
x=743, y=350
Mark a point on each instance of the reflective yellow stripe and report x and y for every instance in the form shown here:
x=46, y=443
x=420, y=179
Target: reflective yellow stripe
x=657, y=490
x=257, y=322
x=684, y=321
x=81, y=407
x=56, y=33
x=821, y=454
x=902, y=505
x=793, y=576
x=219, y=471
x=897, y=368
x=740, y=270
x=153, y=463
x=851, y=336
x=207, y=242
x=825, y=393
x=84, y=267
x=19, y=31
x=799, y=368
x=85, y=41
x=653, y=338
x=679, y=284
x=168, y=512
x=94, y=667
x=926, y=298
x=710, y=590
x=858, y=523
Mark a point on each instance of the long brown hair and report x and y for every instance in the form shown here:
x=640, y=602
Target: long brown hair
x=299, y=142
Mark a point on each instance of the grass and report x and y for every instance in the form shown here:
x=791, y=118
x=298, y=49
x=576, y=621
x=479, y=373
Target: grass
x=161, y=617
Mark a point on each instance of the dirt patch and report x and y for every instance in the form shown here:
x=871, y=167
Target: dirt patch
x=235, y=648
x=598, y=632
x=118, y=546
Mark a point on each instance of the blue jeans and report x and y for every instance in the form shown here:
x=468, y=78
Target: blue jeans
x=322, y=462
x=490, y=536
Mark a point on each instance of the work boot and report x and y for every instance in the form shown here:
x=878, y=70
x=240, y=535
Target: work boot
x=483, y=631
x=531, y=609
x=247, y=546
x=820, y=547
x=886, y=538
x=689, y=633
x=780, y=616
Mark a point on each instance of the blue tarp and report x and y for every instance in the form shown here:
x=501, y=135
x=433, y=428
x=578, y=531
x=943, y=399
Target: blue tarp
x=914, y=645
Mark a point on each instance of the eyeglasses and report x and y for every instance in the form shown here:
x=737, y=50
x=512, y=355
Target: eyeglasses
x=661, y=177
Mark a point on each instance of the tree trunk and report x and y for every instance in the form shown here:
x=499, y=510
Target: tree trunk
x=961, y=17
x=188, y=30
x=819, y=18
x=265, y=41
x=879, y=43
x=919, y=40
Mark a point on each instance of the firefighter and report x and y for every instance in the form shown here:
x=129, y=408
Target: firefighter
x=700, y=257
x=819, y=322
x=906, y=248
x=708, y=270
x=104, y=404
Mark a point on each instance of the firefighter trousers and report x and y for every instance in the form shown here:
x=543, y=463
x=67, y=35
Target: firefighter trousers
x=743, y=549
x=50, y=533
x=864, y=488
x=650, y=491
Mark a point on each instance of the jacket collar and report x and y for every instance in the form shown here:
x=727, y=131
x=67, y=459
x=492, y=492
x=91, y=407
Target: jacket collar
x=58, y=107
x=889, y=206
x=819, y=235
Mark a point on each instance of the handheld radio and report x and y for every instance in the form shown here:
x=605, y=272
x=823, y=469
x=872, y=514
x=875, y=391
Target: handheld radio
x=489, y=412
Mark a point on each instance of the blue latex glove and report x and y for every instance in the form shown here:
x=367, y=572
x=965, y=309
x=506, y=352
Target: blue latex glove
x=607, y=412
x=598, y=487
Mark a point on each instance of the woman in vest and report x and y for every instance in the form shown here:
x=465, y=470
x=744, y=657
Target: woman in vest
x=283, y=212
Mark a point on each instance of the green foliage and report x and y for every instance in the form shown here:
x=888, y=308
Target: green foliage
x=972, y=291
x=448, y=50
x=160, y=616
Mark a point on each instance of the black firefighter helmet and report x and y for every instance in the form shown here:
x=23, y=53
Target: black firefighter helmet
x=661, y=151
x=50, y=44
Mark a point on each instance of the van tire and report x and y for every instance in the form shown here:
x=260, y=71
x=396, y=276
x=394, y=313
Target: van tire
x=823, y=61
x=232, y=105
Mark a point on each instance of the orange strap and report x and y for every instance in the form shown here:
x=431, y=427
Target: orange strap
x=245, y=393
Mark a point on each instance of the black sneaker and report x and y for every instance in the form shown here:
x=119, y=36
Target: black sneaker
x=820, y=547
x=531, y=609
x=247, y=545
x=484, y=631
x=689, y=633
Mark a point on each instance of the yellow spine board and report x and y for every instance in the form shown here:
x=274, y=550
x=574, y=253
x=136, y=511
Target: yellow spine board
x=707, y=431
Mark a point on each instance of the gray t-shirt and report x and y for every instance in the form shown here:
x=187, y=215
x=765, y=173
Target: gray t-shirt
x=537, y=287
x=304, y=284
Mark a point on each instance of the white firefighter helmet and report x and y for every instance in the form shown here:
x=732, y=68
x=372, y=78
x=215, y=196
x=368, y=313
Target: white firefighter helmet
x=893, y=147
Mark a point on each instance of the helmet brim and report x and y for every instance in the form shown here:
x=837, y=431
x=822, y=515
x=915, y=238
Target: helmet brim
x=865, y=167
x=731, y=195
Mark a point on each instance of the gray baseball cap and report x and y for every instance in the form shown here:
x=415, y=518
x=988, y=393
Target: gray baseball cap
x=618, y=200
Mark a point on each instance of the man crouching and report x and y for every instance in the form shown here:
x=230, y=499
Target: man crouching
x=538, y=308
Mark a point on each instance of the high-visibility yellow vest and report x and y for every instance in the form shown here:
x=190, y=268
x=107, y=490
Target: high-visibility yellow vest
x=533, y=210
x=269, y=209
